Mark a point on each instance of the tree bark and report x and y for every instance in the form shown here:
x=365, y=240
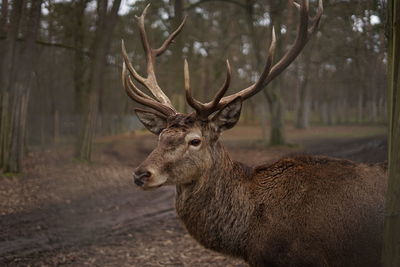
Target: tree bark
x=304, y=106
x=391, y=246
x=52, y=80
x=360, y=107
x=6, y=76
x=20, y=90
x=3, y=17
x=3, y=27
x=81, y=94
x=276, y=111
x=105, y=25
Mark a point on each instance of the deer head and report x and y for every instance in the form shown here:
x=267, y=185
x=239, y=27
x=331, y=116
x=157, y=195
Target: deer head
x=187, y=142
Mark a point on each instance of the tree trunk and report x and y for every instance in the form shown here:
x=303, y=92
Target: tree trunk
x=324, y=113
x=105, y=25
x=360, y=107
x=274, y=99
x=7, y=74
x=304, y=107
x=11, y=43
x=303, y=111
x=52, y=81
x=3, y=17
x=3, y=28
x=20, y=90
x=81, y=94
x=391, y=246
x=277, y=134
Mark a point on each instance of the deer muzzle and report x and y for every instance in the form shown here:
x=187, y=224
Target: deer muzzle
x=141, y=177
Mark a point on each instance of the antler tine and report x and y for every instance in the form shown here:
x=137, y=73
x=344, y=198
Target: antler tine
x=304, y=33
x=135, y=94
x=204, y=110
x=145, y=41
x=256, y=87
x=128, y=83
x=128, y=64
x=170, y=39
x=188, y=91
x=150, y=82
x=221, y=92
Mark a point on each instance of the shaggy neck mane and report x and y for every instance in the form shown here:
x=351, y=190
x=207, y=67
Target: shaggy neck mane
x=216, y=208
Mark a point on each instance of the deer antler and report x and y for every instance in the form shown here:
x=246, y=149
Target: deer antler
x=160, y=102
x=204, y=110
x=304, y=33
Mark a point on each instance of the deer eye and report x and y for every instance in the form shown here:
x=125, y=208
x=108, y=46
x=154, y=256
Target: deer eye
x=195, y=142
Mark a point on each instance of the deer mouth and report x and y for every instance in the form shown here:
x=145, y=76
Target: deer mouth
x=152, y=183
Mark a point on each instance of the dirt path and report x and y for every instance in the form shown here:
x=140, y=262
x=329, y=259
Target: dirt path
x=62, y=212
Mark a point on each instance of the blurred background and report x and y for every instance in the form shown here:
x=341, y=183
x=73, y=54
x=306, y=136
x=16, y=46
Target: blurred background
x=69, y=137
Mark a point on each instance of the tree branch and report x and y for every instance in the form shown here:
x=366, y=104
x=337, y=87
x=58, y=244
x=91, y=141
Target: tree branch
x=205, y=1
x=59, y=45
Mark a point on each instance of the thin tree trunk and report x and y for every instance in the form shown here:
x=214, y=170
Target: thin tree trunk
x=391, y=246
x=331, y=113
x=360, y=107
x=81, y=94
x=303, y=111
x=277, y=134
x=52, y=88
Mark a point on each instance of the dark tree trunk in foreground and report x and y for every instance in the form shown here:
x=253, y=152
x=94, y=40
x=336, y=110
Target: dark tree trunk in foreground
x=105, y=25
x=20, y=90
x=7, y=75
x=391, y=247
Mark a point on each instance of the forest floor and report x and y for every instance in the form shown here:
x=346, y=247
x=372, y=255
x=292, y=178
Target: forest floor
x=64, y=212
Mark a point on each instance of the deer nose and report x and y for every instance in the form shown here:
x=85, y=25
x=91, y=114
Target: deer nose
x=140, y=177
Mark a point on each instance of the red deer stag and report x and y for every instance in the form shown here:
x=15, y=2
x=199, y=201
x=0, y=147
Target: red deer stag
x=297, y=211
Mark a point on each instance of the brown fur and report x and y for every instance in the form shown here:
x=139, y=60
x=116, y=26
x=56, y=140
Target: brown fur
x=298, y=211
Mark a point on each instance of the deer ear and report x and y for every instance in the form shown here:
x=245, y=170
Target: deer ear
x=154, y=122
x=228, y=116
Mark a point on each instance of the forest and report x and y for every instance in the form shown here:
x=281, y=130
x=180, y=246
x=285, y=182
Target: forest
x=68, y=70
x=69, y=136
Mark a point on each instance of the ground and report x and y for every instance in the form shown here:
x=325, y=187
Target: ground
x=64, y=212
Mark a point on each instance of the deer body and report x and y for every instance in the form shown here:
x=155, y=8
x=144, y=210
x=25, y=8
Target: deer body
x=298, y=211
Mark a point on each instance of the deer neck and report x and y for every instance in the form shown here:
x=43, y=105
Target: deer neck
x=216, y=209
